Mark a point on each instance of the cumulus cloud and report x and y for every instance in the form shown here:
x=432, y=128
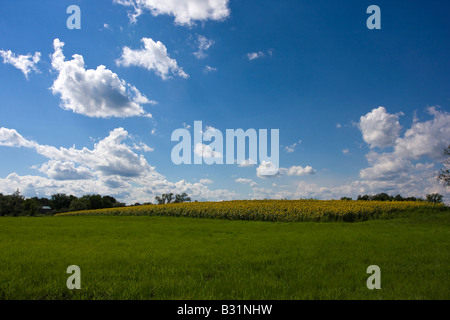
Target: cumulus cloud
x=98, y=93
x=153, y=57
x=247, y=181
x=427, y=138
x=143, y=147
x=11, y=138
x=203, y=45
x=379, y=128
x=65, y=171
x=298, y=171
x=255, y=55
x=25, y=63
x=410, y=168
x=111, y=167
x=292, y=147
x=206, y=181
x=209, y=69
x=186, y=12
x=246, y=163
x=205, y=151
x=268, y=170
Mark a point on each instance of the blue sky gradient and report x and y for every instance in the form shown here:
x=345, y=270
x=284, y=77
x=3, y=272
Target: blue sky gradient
x=319, y=70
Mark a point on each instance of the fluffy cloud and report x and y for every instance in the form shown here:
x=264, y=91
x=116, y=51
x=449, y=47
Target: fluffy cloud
x=205, y=151
x=268, y=170
x=255, y=55
x=65, y=171
x=25, y=63
x=186, y=12
x=110, y=168
x=110, y=156
x=203, y=45
x=246, y=164
x=247, y=181
x=143, y=147
x=153, y=57
x=292, y=147
x=298, y=171
x=95, y=93
x=209, y=69
x=410, y=169
x=379, y=128
x=427, y=138
x=11, y=138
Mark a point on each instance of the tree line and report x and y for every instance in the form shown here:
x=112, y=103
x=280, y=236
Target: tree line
x=433, y=197
x=16, y=205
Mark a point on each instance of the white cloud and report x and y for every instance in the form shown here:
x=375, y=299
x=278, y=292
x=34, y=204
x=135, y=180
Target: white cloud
x=203, y=45
x=25, y=63
x=110, y=168
x=206, y=181
x=205, y=151
x=94, y=93
x=209, y=69
x=247, y=181
x=379, y=128
x=346, y=151
x=255, y=55
x=298, y=171
x=65, y=171
x=153, y=57
x=292, y=147
x=246, y=163
x=11, y=138
x=143, y=147
x=267, y=170
x=427, y=138
x=404, y=170
x=186, y=12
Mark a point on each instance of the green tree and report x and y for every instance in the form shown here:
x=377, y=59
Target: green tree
x=444, y=174
x=180, y=198
x=171, y=198
x=434, y=198
x=30, y=207
x=79, y=204
x=61, y=201
x=382, y=197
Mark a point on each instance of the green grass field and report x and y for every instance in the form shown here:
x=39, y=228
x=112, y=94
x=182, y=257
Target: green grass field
x=185, y=258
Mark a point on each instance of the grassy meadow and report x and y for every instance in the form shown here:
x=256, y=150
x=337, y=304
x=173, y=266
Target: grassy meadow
x=154, y=257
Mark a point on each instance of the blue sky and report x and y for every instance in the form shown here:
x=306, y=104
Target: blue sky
x=359, y=111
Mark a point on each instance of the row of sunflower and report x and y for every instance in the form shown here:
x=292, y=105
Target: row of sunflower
x=268, y=210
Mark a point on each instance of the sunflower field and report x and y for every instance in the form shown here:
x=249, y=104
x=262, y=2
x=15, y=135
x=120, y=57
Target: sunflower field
x=270, y=210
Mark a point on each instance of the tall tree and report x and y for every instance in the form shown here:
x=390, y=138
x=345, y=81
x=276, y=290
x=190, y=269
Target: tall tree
x=444, y=174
